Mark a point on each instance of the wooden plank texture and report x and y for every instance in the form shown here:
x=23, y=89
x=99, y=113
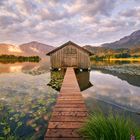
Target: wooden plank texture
x=70, y=111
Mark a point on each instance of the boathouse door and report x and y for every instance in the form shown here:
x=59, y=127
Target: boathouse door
x=70, y=57
x=70, y=61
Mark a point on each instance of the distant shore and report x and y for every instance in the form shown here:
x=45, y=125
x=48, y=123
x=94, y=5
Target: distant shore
x=123, y=59
x=13, y=58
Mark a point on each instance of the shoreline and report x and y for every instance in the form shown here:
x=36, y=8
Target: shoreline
x=123, y=59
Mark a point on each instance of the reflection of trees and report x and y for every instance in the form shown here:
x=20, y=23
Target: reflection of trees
x=106, y=66
x=110, y=62
x=132, y=79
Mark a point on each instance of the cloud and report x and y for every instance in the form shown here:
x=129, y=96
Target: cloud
x=6, y=21
x=131, y=13
x=54, y=22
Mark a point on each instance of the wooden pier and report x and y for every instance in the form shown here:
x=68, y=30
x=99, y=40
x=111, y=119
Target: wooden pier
x=70, y=111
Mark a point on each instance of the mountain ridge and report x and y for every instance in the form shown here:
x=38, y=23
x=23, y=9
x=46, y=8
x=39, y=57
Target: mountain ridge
x=26, y=49
x=128, y=44
x=132, y=40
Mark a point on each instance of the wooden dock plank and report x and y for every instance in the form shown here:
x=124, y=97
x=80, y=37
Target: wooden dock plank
x=70, y=111
x=67, y=98
x=63, y=133
x=70, y=97
x=65, y=125
x=64, y=138
x=70, y=105
x=70, y=101
x=67, y=119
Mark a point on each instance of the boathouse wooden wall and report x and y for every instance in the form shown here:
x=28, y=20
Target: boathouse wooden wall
x=70, y=56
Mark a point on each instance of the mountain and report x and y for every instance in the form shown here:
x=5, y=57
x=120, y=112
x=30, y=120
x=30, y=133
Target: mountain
x=27, y=49
x=99, y=50
x=35, y=48
x=10, y=49
x=127, y=42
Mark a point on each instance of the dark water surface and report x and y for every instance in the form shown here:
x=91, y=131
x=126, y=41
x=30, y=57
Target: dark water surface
x=26, y=100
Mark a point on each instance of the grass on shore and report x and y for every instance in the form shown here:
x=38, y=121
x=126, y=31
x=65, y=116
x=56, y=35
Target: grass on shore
x=100, y=127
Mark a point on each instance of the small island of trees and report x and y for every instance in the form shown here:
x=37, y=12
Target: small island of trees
x=13, y=59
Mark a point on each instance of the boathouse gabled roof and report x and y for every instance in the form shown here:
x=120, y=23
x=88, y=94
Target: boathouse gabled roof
x=69, y=43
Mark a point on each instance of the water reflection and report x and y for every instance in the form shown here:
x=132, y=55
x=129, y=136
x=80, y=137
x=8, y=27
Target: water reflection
x=58, y=76
x=25, y=94
x=132, y=79
x=83, y=79
x=27, y=101
x=112, y=90
x=33, y=68
x=125, y=70
x=57, y=79
x=112, y=62
x=15, y=68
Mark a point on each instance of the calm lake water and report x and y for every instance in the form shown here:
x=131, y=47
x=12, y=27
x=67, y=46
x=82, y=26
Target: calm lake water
x=26, y=100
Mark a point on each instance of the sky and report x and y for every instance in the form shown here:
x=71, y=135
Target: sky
x=54, y=22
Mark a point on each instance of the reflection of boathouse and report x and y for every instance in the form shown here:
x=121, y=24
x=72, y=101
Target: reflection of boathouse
x=82, y=78
x=70, y=55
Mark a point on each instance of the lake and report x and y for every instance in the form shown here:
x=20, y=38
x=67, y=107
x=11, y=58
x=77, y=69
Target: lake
x=27, y=97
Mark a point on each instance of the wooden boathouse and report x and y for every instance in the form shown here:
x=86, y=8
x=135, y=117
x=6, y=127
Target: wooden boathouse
x=70, y=55
x=69, y=112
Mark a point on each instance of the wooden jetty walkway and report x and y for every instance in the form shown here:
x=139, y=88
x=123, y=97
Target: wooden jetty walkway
x=70, y=111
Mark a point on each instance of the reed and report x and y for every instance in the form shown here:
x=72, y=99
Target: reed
x=101, y=127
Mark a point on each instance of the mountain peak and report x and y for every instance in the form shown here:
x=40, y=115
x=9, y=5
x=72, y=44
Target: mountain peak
x=132, y=40
x=34, y=42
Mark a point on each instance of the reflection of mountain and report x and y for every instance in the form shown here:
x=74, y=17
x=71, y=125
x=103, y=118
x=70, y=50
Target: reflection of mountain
x=36, y=69
x=26, y=67
x=27, y=49
x=132, y=79
x=17, y=67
